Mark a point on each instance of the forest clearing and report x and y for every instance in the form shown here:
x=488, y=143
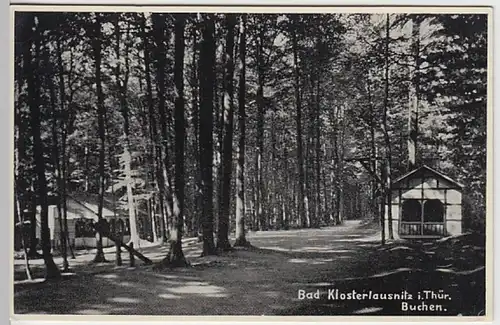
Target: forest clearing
x=247, y=163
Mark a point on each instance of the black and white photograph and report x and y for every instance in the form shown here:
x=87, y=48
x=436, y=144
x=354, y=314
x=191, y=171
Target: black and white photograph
x=321, y=161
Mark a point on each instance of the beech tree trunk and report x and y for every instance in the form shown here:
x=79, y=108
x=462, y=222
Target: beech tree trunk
x=64, y=159
x=207, y=78
x=340, y=166
x=227, y=149
x=175, y=255
x=19, y=183
x=240, y=167
x=96, y=44
x=386, y=198
x=127, y=157
x=317, y=165
x=57, y=161
x=19, y=219
x=160, y=55
x=373, y=153
x=303, y=205
x=196, y=137
x=261, y=217
x=413, y=92
x=157, y=152
x=31, y=66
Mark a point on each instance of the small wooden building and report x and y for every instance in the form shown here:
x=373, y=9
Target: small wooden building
x=81, y=216
x=425, y=204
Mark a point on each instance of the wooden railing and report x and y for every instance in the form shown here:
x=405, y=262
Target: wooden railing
x=425, y=229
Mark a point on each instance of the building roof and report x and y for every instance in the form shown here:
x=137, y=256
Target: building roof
x=424, y=168
x=85, y=205
x=79, y=207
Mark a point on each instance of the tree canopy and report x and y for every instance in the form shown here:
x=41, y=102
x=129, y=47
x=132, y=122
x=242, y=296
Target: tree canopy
x=203, y=123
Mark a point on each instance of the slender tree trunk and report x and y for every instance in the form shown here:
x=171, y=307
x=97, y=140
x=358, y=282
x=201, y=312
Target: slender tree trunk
x=154, y=221
x=219, y=131
x=27, y=45
x=318, y=152
x=414, y=59
x=96, y=42
x=286, y=191
x=327, y=208
x=18, y=182
x=373, y=152
x=333, y=194
x=303, y=206
x=309, y=152
x=382, y=202
x=17, y=209
x=207, y=76
x=34, y=241
x=218, y=134
x=227, y=149
x=157, y=153
x=339, y=167
x=240, y=167
x=271, y=171
x=159, y=30
x=260, y=133
x=57, y=163
x=175, y=256
x=21, y=134
x=62, y=101
x=122, y=86
x=196, y=137
x=150, y=175
x=387, y=190
x=86, y=153
x=255, y=221
x=31, y=65
x=334, y=176
x=324, y=217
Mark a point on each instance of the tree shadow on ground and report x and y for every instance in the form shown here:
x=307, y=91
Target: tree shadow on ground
x=145, y=292
x=260, y=281
x=452, y=266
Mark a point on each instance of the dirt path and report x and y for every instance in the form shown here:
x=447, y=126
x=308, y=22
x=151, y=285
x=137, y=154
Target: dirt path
x=255, y=282
x=262, y=281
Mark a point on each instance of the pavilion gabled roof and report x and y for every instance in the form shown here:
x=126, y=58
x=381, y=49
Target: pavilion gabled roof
x=425, y=168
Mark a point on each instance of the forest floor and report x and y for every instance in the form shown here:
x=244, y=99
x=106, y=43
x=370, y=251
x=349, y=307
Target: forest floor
x=266, y=279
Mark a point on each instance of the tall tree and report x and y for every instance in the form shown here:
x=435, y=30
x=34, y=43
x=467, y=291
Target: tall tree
x=320, y=52
x=387, y=141
x=240, y=167
x=160, y=182
x=64, y=142
x=227, y=150
x=122, y=86
x=176, y=256
x=19, y=181
x=207, y=79
x=413, y=65
x=456, y=83
x=303, y=202
x=96, y=37
x=196, y=129
x=56, y=156
x=160, y=57
x=261, y=214
x=31, y=66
